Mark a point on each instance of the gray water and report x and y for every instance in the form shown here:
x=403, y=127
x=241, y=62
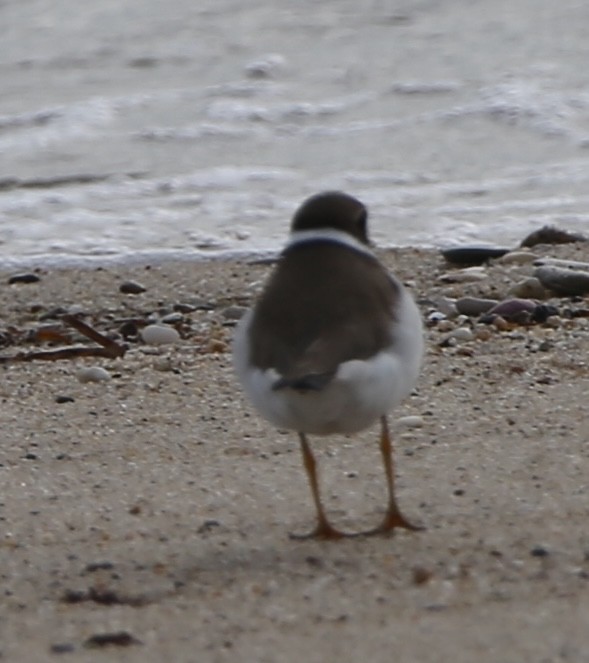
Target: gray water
x=135, y=129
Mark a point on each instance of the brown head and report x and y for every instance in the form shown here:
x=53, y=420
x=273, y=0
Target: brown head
x=333, y=210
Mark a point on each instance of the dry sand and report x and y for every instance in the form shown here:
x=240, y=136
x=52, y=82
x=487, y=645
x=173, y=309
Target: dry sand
x=159, y=504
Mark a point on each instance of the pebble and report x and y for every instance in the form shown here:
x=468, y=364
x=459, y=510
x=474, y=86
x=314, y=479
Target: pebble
x=64, y=399
x=445, y=325
x=460, y=335
x=172, y=318
x=434, y=317
x=529, y=288
x=512, y=310
x=473, y=255
x=517, y=258
x=131, y=288
x=444, y=305
x=463, y=334
x=411, y=421
x=93, y=374
x=163, y=364
x=474, y=306
x=565, y=282
x=501, y=323
x=234, y=312
x=468, y=275
x=552, y=235
x=27, y=277
x=159, y=335
x=557, y=262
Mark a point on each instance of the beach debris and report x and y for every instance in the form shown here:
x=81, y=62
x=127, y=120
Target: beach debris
x=552, y=235
x=559, y=262
x=467, y=275
x=517, y=258
x=410, y=421
x=64, y=399
x=107, y=347
x=62, y=648
x=27, y=277
x=93, y=374
x=529, y=288
x=474, y=306
x=102, y=597
x=458, y=335
x=473, y=255
x=233, y=313
x=116, y=638
x=131, y=288
x=567, y=282
x=172, y=318
x=159, y=335
x=519, y=311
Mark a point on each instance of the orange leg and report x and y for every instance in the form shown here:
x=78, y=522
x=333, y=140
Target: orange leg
x=323, y=530
x=393, y=517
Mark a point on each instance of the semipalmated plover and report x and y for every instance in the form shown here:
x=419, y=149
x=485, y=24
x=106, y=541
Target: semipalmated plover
x=334, y=341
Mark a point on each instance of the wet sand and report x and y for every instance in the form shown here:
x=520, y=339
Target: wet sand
x=158, y=504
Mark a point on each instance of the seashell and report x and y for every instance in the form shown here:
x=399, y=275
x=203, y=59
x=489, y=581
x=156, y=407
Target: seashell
x=93, y=374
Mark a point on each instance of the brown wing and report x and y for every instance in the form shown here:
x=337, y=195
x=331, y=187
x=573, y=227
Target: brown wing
x=324, y=304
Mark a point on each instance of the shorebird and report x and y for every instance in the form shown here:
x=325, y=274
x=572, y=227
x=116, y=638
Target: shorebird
x=333, y=343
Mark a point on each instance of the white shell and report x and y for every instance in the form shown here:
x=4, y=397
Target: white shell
x=93, y=374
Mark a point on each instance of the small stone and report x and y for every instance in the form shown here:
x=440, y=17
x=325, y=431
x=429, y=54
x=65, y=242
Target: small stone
x=565, y=264
x=62, y=648
x=182, y=307
x=163, y=364
x=483, y=334
x=565, y=282
x=131, y=288
x=501, y=323
x=172, y=318
x=473, y=255
x=474, y=306
x=517, y=258
x=462, y=334
x=234, y=312
x=93, y=374
x=539, y=551
x=468, y=275
x=159, y=335
x=445, y=326
x=410, y=421
x=529, y=288
x=64, y=399
x=444, y=305
x=552, y=235
x=28, y=277
x=512, y=310
x=117, y=638
x=434, y=317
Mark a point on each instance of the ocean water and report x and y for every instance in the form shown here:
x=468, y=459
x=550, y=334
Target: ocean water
x=138, y=129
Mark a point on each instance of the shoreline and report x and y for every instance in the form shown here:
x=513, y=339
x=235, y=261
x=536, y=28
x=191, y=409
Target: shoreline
x=157, y=503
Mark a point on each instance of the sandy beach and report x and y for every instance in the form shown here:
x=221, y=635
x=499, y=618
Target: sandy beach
x=146, y=517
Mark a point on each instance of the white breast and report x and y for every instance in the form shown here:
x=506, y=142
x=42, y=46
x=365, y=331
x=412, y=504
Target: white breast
x=360, y=393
